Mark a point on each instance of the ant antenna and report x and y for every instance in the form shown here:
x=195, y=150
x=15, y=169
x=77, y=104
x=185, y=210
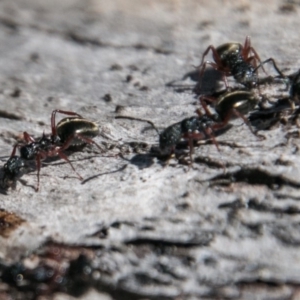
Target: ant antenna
x=274, y=66
x=138, y=119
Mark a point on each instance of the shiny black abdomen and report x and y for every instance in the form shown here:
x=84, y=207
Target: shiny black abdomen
x=70, y=127
x=242, y=101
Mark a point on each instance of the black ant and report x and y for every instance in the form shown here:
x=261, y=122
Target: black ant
x=237, y=60
x=70, y=131
x=189, y=129
x=230, y=104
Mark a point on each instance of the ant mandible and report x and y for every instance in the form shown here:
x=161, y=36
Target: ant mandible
x=237, y=60
x=70, y=131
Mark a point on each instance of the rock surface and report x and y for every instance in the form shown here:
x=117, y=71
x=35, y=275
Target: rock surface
x=136, y=228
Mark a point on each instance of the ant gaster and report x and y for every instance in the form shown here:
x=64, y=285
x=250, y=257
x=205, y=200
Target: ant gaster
x=70, y=131
x=232, y=104
x=237, y=60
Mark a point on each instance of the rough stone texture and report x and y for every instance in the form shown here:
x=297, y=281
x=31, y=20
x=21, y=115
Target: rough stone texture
x=149, y=231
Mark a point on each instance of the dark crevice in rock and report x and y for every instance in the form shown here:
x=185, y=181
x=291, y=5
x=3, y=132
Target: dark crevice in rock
x=266, y=207
x=254, y=176
x=8, y=115
x=200, y=239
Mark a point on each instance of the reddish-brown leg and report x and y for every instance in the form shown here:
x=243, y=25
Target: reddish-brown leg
x=63, y=156
x=191, y=137
x=204, y=105
x=239, y=115
x=13, y=153
x=254, y=54
x=68, y=142
x=209, y=132
x=274, y=66
x=28, y=138
x=38, y=165
x=88, y=141
x=216, y=56
x=217, y=65
x=247, y=47
x=202, y=69
x=59, y=150
x=247, y=50
x=65, y=112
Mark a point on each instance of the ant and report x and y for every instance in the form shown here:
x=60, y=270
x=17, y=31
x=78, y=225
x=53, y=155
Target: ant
x=71, y=131
x=237, y=60
x=189, y=129
x=237, y=103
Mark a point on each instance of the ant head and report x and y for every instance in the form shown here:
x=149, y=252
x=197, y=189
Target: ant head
x=12, y=171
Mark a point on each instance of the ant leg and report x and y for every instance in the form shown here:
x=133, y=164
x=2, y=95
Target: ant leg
x=210, y=134
x=247, y=47
x=63, y=156
x=190, y=137
x=218, y=65
x=13, y=153
x=200, y=136
x=68, y=142
x=254, y=54
x=65, y=112
x=202, y=68
x=38, y=165
x=204, y=105
x=171, y=153
x=199, y=112
x=28, y=138
x=215, y=54
x=253, y=61
x=274, y=66
x=87, y=140
x=191, y=146
x=238, y=114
